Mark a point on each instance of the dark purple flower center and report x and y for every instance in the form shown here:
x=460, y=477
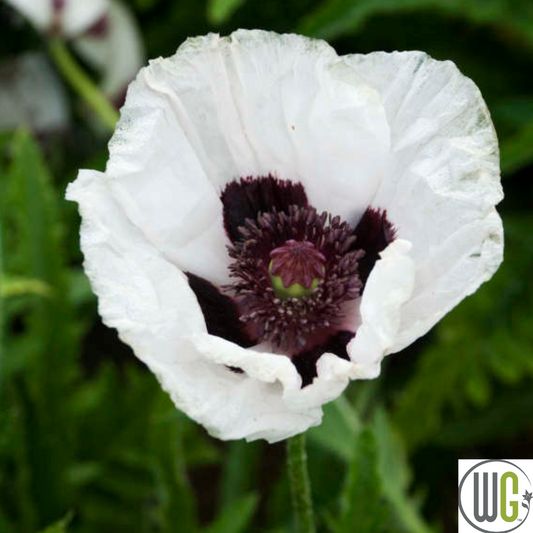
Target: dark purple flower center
x=296, y=273
x=291, y=323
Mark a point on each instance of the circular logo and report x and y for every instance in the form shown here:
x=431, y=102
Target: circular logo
x=495, y=496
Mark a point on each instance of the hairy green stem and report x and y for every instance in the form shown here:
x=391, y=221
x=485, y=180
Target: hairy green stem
x=300, y=485
x=81, y=83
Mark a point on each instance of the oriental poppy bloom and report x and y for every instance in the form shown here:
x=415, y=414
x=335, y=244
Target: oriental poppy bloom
x=275, y=219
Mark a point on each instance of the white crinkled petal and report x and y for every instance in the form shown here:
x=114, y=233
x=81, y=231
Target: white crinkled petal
x=388, y=288
x=38, y=12
x=276, y=407
x=251, y=104
x=141, y=294
x=443, y=180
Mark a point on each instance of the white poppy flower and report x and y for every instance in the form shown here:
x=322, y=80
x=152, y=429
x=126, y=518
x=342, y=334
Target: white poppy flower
x=204, y=238
x=67, y=17
x=103, y=32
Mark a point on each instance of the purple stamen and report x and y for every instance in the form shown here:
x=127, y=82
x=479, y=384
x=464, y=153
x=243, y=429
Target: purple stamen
x=294, y=323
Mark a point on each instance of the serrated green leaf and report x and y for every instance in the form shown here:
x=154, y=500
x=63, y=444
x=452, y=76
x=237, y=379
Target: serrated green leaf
x=396, y=476
x=29, y=209
x=236, y=517
x=362, y=505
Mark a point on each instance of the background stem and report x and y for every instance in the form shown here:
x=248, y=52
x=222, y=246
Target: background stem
x=82, y=84
x=300, y=485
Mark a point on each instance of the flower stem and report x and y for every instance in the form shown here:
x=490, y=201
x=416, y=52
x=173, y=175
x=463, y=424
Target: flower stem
x=300, y=485
x=81, y=83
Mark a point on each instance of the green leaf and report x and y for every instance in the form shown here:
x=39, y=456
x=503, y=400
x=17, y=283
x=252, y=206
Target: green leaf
x=362, y=501
x=59, y=527
x=339, y=428
x=340, y=433
x=396, y=476
x=41, y=378
x=237, y=517
x=174, y=493
x=115, y=481
x=238, y=480
x=219, y=11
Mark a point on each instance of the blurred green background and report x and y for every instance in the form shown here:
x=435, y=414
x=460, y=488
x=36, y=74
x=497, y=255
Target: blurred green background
x=89, y=442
